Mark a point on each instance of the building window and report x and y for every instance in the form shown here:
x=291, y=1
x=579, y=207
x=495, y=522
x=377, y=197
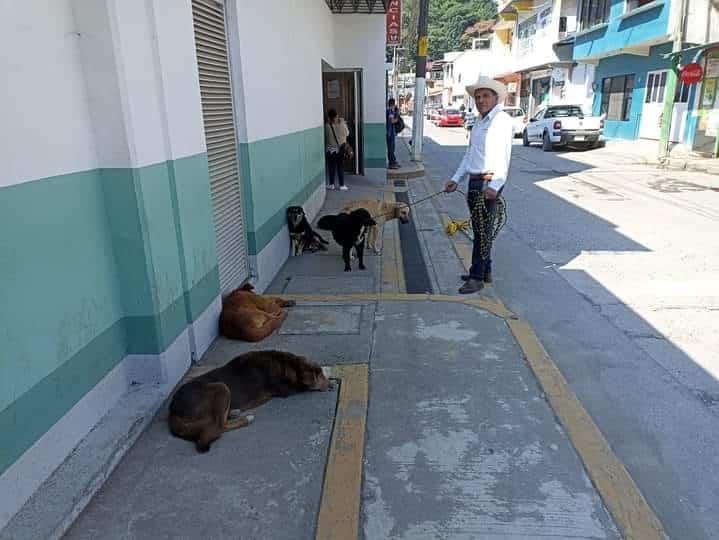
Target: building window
x=656, y=82
x=617, y=97
x=593, y=12
x=682, y=93
x=634, y=4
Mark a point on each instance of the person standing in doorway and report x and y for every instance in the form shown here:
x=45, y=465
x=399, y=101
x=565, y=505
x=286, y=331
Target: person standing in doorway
x=486, y=165
x=336, y=133
x=392, y=119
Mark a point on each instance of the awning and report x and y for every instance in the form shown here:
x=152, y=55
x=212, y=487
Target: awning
x=357, y=6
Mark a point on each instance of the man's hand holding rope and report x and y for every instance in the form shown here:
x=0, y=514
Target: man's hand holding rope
x=489, y=193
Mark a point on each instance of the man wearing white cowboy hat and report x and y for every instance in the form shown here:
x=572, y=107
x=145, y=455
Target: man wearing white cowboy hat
x=486, y=164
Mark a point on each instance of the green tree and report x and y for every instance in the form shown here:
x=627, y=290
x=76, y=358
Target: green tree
x=447, y=21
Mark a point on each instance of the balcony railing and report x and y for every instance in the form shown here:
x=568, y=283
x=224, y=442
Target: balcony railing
x=357, y=6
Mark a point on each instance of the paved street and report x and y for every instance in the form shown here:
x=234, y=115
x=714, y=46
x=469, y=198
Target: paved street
x=615, y=265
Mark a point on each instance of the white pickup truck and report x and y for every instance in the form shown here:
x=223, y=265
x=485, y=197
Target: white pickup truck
x=563, y=125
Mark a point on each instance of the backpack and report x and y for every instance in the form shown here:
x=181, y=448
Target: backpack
x=399, y=125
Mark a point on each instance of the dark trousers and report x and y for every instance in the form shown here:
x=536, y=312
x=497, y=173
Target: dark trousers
x=390, y=150
x=481, y=266
x=335, y=165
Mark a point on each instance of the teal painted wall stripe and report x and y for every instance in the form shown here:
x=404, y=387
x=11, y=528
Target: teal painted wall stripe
x=194, y=216
x=375, y=145
x=33, y=413
x=272, y=226
x=278, y=172
x=36, y=411
x=247, y=195
x=178, y=236
x=58, y=278
x=203, y=293
x=375, y=163
x=133, y=259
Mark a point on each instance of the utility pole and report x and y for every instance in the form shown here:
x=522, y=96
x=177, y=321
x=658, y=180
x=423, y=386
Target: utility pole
x=671, y=86
x=420, y=82
x=395, y=75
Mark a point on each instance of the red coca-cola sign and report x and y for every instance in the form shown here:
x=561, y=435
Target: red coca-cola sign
x=692, y=73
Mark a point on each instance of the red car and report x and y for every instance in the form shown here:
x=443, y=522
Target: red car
x=449, y=118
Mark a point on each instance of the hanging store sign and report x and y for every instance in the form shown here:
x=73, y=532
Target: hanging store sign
x=394, y=22
x=692, y=73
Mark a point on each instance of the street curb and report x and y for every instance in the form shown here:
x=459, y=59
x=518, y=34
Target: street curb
x=415, y=169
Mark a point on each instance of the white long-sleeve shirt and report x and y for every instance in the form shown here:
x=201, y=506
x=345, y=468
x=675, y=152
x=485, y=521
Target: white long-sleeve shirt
x=489, y=150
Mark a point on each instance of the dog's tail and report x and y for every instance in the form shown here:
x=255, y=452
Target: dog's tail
x=327, y=223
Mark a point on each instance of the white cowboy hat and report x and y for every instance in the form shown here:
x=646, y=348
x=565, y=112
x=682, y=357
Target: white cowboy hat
x=486, y=82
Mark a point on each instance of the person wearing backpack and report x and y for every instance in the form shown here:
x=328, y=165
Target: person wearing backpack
x=395, y=124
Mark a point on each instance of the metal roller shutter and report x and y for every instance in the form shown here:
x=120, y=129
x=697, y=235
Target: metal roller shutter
x=221, y=138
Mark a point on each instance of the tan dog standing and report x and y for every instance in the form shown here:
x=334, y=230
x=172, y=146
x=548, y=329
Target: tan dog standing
x=381, y=212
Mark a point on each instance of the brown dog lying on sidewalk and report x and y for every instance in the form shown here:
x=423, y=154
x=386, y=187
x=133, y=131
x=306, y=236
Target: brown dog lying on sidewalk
x=381, y=212
x=205, y=407
x=251, y=317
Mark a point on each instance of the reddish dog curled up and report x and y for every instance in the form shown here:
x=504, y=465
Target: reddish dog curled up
x=206, y=407
x=251, y=317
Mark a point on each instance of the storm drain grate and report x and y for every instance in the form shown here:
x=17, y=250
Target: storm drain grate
x=415, y=271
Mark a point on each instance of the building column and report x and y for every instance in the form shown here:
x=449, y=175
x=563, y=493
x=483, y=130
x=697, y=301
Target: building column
x=141, y=77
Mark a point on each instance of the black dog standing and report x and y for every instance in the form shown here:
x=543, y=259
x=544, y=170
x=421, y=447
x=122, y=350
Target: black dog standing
x=349, y=230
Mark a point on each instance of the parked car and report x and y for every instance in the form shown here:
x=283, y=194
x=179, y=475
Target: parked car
x=449, y=118
x=429, y=110
x=563, y=125
x=519, y=119
x=435, y=114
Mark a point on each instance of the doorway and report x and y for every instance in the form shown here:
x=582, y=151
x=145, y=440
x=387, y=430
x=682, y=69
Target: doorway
x=653, y=107
x=342, y=91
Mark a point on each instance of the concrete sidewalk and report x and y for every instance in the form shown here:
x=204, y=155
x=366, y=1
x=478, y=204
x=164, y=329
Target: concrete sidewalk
x=460, y=440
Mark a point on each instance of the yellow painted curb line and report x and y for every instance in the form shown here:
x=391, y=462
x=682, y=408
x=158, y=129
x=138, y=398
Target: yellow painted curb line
x=630, y=510
x=392, y=262
x=339, y=515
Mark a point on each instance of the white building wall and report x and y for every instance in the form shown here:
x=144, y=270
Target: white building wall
x=580, y=87
x=280, y=64
x=66, y=144
x=702, y=24
x=360, y=43
x=536, y=49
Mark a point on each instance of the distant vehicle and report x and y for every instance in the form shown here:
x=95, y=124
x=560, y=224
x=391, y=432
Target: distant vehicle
x=563, y=125
x=429, y=109
x=449, y=118
x=469, y=119
x=519, y=119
